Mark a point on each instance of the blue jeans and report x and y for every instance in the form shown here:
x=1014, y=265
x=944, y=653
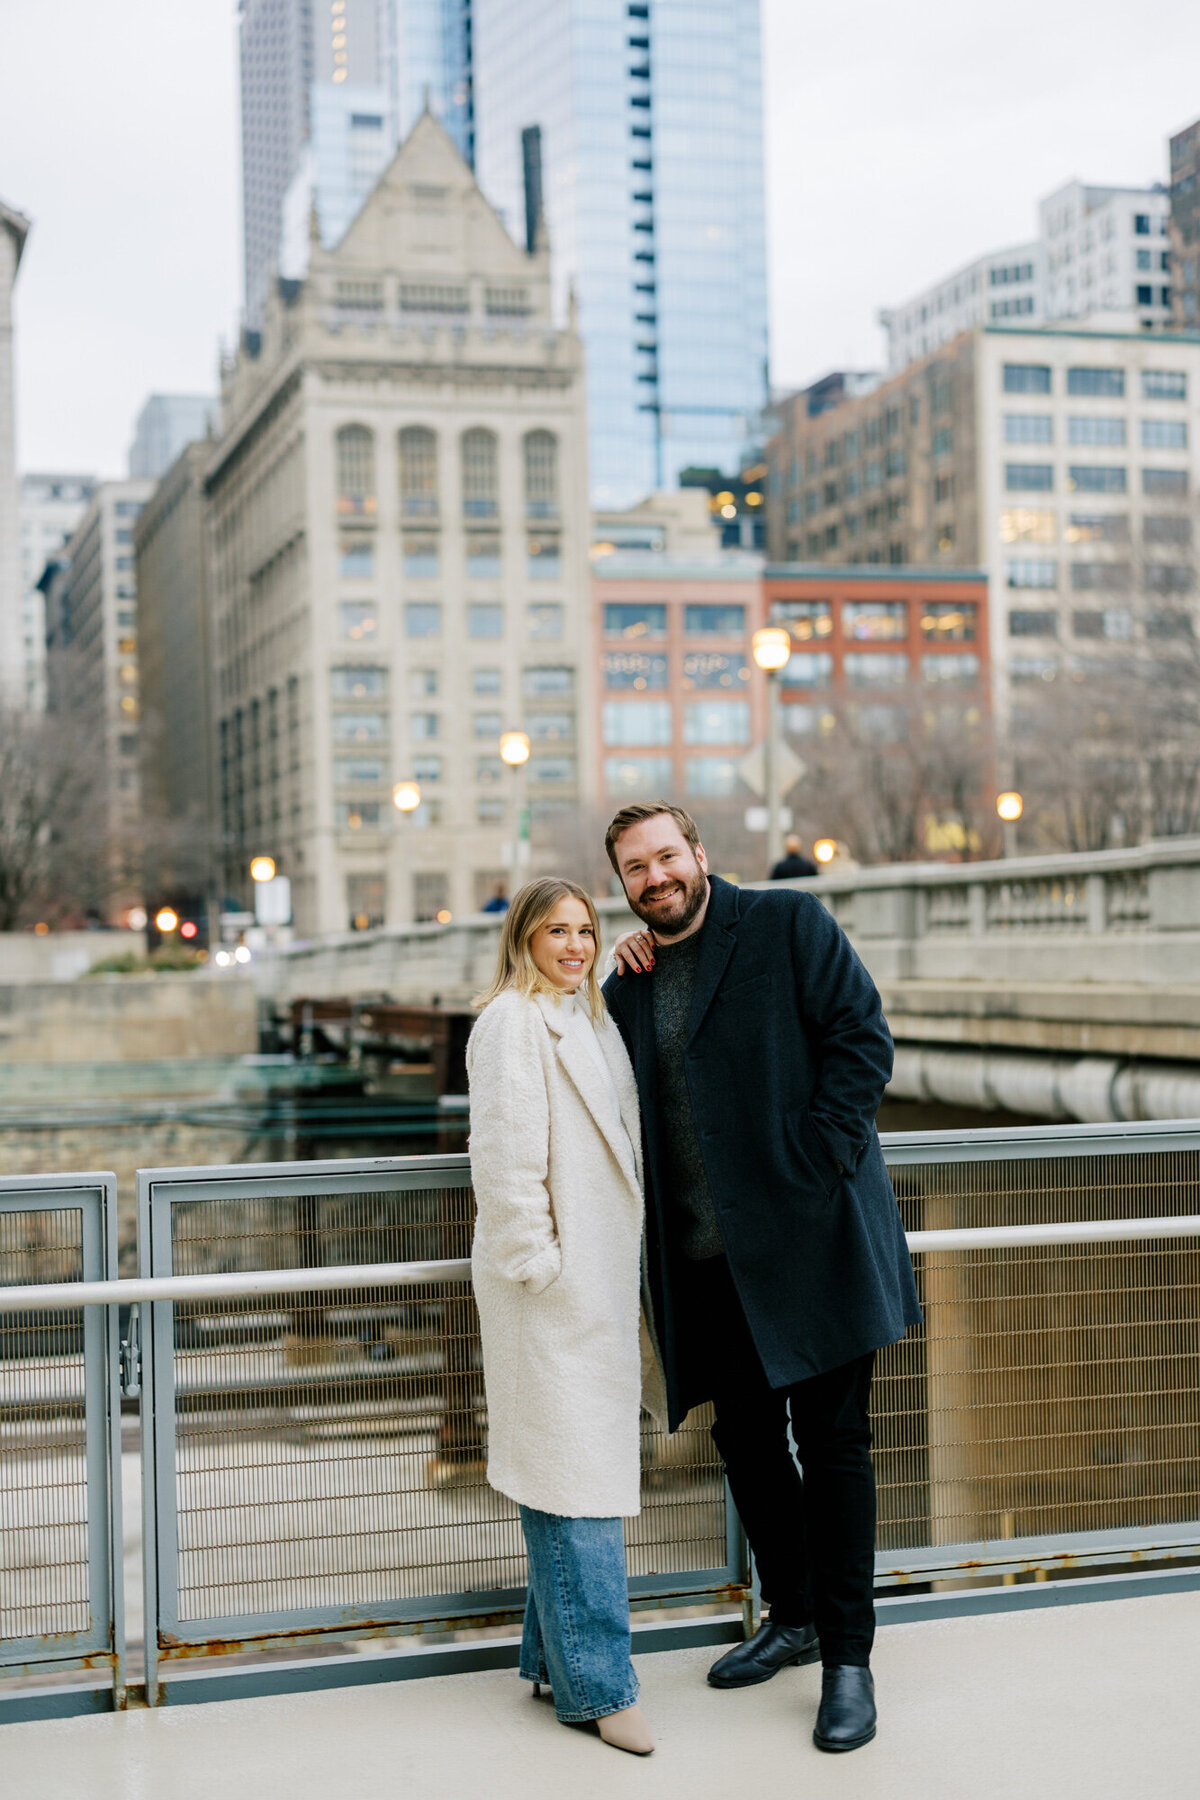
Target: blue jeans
x=576, y=1636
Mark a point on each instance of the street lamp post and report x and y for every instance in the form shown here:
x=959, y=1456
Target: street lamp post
x=772, y=647
x=1009, y=808
x=514, y=750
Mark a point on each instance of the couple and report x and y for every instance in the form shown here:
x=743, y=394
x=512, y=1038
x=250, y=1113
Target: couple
x=733, y=1078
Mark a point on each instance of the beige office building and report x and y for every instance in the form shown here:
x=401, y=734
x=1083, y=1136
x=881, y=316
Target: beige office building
x=398, y=536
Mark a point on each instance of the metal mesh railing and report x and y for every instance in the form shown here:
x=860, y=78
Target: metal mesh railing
x=44, y=1574
x=330, y=1448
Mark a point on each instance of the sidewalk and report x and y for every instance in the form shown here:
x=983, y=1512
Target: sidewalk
x=1094, y=1702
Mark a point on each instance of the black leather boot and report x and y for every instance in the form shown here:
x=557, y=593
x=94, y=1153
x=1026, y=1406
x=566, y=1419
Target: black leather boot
x=847, y=1714
x=773, y=1647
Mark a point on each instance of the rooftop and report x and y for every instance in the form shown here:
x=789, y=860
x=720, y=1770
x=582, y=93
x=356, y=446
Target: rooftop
x=1061, y=1701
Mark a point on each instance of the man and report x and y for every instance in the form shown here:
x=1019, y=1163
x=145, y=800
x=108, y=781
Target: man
x=777, y=1258
x=793, y=864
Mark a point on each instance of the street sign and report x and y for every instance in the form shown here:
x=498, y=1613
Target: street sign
x=752, y=769
x=758, y=818
x=273, y=901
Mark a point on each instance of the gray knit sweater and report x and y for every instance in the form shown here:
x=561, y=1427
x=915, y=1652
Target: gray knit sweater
x=687, y=1183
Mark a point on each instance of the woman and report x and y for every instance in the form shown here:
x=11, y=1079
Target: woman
x=557, y=1258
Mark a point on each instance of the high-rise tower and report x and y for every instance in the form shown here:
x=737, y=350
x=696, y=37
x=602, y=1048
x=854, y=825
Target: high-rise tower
x=637, y=126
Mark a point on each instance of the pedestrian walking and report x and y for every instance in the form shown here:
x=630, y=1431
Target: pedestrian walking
x=793, y=864
x=556, y=1160
x=776, y=1254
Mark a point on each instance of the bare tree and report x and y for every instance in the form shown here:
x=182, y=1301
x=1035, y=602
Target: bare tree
x=56, y=854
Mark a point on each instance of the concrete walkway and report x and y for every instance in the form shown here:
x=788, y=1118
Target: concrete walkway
x=1092, y=1702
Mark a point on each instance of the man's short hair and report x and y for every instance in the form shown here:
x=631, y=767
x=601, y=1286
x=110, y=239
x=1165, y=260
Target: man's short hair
x=637, y=815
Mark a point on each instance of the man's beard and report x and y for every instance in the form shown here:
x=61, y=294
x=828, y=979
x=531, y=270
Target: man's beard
x=684, y=901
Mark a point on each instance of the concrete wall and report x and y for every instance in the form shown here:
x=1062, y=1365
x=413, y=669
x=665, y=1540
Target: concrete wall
x=127, y=1018
x=62, y=955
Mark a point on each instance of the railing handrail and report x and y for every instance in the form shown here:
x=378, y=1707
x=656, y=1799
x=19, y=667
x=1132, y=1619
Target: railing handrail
x=255, y=1283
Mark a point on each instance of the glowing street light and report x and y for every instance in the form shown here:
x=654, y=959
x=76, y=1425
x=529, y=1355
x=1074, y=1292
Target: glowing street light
x=514, y=751
x=1009, y=807
x=406, y=796
x=825, y=849
x=166, y=920
x=514, y=748
x=772, y=647
x=262, y=868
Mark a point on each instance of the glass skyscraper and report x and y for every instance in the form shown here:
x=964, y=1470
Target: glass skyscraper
x=636, y=126
x=328, y=90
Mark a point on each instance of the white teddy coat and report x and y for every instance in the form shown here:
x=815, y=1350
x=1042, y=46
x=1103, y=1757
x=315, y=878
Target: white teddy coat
x=557, y=1259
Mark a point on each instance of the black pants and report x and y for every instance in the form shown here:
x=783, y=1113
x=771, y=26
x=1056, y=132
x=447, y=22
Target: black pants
x=813, y=1536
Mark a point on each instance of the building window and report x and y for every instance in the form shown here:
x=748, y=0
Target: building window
x=489, y=770
x=1169, y=625
x=1097, y=384
x=803, y=721
x=480, y=474
x=1169, y=578
x=554, y=678
x=1166, y=528
x=358, y=620
x=1033, y=624
x=943, y=488
x=418, y=473
x=366, y=900
x=805, y=619
x=1145, y=295
x=710, y=778
x=489, y=809
x=637, y=723
x=422, y=683
x=541, y=475
x=637, y=777
x=1165, y=484
x=1022, y=669
x=356, y=496
x=1032, y=572
x=1026, y=378
x=1099, y=478
x=1106, y=577
x=487, y=724
x=950, y=621
x=359, y=727
x=714, y=669
x=943, y=441
x=895, y=463
x=359, y=771
x=356, y=559
x=431, y=896
x=1097, y=528
x=875, y=668
x=1023, y=525
x=1096, y=431
x=357, y=815
x=543, y=770
x=422, y=619
x=544, y=619
x=485, y=681
x=1028, y=477
x=875, y=620
x=424, y=726
x=714, y=621
x=635, y=620
x=543, y=558
x=1164, y=384
x=1164, y=434
x=635, y=669
x=356, y=683
x=485, y=619
x=547, y=726
x=1115, y=623
x=427, y=768
x=808, y=668
x=963, y=668
x=483, y=555
x=716, y=722
x=420, y=555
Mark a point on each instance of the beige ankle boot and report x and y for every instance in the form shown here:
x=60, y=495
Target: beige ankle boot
x=627, y=1730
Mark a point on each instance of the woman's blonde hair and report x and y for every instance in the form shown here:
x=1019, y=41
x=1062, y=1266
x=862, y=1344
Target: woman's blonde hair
x=515, y=967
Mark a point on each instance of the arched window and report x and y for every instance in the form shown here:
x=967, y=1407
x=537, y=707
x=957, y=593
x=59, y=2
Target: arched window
x=480, y=474
x=541, y=475
x=356, y=472
x=418, y=473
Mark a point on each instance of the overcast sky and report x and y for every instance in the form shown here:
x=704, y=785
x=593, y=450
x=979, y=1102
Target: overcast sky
x=901, y=140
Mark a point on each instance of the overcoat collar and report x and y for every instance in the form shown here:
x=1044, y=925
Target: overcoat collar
x=576, y=1058
x=716, y=947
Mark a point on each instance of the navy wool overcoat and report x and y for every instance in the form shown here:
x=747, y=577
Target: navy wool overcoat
x=787, y=1059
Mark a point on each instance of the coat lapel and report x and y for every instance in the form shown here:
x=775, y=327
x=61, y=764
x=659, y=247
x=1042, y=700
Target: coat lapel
x=716, y=947
x=576, y=1058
